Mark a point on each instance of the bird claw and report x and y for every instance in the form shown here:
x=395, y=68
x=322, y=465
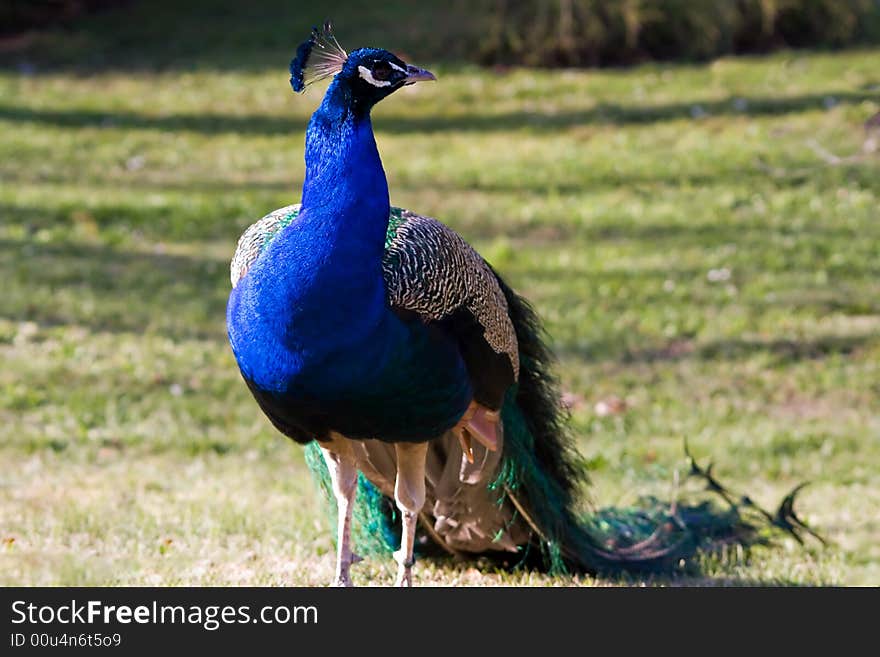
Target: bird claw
x=464, y=439
x=343, y=578
x=404, y=569
x=404, y=578
x=342, y=582
x=480, y=424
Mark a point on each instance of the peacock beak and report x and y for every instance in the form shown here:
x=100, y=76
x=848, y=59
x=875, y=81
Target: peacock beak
x=415, y=74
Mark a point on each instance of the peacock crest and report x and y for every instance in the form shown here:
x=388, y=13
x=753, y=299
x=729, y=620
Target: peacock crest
x=316, y=59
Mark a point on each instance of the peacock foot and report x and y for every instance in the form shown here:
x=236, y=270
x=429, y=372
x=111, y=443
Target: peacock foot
x=343, y=576
x=342, y=581
x=404, y=570
x=404, y=578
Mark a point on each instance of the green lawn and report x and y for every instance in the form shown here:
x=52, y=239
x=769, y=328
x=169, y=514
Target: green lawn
x=689, y=249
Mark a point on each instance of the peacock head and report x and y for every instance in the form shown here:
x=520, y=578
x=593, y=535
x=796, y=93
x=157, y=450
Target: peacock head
x=368, y=74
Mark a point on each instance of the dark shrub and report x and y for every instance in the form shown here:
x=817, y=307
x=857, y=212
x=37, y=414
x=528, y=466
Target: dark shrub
x=595, y=32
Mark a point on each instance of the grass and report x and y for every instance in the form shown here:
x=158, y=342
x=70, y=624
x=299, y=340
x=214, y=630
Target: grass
x=689, y=250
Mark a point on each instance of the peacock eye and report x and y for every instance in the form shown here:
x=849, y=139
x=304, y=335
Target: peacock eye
x=382, y=71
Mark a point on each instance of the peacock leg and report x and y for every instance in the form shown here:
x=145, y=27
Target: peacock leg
x=409, y=493
x=343, y=475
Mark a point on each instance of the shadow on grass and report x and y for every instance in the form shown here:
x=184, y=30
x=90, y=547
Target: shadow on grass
x=172, y=222
x=779, y=351
x=109, y=290
x=602, y=114
x=681, y=235
x=618, y=114
x=785, y=350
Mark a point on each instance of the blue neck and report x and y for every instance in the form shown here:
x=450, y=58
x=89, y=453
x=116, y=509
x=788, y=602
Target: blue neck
x=324, y=271
x=343, y=171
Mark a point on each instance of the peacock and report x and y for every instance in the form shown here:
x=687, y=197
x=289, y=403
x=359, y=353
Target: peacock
x=419, y=381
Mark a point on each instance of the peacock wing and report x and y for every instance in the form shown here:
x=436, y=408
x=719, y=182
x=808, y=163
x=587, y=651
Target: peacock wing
x=433, y=275
x=256, y=238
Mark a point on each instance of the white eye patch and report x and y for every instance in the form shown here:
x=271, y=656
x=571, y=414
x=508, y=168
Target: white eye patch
x=396, y=67
x=367, y=75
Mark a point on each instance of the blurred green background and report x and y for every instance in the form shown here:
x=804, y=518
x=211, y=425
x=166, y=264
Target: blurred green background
x=700, y=234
